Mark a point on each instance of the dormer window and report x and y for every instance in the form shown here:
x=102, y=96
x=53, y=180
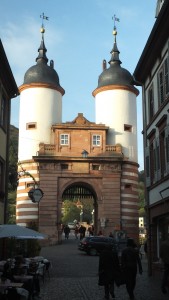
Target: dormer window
x=96, y=140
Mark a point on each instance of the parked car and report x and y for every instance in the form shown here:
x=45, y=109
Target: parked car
x=93, y=245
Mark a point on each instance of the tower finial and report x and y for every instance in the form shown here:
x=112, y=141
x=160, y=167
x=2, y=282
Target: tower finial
x=114, y=29
x=115, y=52
x=43, y=17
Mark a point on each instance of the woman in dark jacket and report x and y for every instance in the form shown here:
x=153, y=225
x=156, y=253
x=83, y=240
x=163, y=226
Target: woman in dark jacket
x=108, y=266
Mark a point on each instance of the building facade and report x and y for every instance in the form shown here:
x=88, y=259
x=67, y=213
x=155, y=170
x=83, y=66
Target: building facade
x=8, y=90
x=78, y=159
x=152, y=72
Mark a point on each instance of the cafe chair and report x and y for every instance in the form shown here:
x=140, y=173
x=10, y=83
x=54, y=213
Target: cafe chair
x=47, y=267
x=12, y=294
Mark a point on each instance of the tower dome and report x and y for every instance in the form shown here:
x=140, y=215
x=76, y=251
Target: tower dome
x=115, y=74
x=42, y=72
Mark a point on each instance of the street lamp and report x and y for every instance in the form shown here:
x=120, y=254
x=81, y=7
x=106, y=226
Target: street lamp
x=35, y=195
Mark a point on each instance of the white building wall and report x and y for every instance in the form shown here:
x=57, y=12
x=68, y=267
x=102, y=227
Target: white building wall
x=116, y=108
x=42, y=106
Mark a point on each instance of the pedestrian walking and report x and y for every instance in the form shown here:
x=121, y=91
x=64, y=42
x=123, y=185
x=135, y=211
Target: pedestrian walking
x=108, y=267
x=130, y=260
x=76, y=232
x=66, y=232
x=82, y=231
x=145, y=248
x=90, y=231
x=164, y=255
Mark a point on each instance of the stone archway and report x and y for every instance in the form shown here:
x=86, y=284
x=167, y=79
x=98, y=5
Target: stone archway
x=79, y=192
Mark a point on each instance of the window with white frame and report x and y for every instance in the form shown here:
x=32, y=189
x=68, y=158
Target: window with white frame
x=64, y=139
x=96, y=140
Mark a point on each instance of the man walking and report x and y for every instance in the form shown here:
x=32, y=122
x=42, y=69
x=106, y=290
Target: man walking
x=108, y=267
x=164, y=255
x=130, y=259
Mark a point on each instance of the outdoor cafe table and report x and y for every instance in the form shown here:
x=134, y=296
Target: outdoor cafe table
x=8, y=284
x=27, y=281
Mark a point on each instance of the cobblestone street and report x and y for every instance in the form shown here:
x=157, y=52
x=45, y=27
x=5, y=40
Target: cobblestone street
x=73, y=276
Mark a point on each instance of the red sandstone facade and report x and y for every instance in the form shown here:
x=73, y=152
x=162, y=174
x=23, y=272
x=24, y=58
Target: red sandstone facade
x=111, y=178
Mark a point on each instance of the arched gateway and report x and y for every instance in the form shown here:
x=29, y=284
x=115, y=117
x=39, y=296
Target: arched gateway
x=84, y=198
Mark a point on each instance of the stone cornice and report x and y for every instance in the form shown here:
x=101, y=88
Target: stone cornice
x=116, y=87
x=41, y=85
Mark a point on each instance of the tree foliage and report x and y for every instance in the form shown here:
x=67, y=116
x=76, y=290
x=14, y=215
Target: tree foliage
x=71, y=212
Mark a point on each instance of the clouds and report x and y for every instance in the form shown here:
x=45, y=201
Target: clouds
x=21, y=41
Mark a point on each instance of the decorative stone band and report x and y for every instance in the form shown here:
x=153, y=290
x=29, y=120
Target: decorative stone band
x=116, y=87
x=39, y=85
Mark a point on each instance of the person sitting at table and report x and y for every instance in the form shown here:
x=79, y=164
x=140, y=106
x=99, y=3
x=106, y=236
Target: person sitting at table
x=33, y=268
x=7, y=272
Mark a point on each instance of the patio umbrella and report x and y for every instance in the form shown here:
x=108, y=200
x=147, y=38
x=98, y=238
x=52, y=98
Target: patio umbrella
x=19, y=232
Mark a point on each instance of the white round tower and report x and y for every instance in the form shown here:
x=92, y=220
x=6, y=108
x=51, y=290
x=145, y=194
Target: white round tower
x=40, y=108
x=115, y=105
x=40, y=105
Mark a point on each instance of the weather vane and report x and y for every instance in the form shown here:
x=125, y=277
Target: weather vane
x=43, y=17
x=114, y=30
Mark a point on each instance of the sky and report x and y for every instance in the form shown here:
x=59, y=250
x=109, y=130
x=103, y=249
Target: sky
x=78, y=36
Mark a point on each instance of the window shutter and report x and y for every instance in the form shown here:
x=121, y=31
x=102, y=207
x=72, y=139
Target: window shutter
x=166, y=67
x=158, y=172
x=147, y=163
x=167, y=148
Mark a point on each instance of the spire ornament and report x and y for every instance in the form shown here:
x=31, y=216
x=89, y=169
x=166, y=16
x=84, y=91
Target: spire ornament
x=115, y=29
x=115, y=52
x=42, y=49
x=43, y=17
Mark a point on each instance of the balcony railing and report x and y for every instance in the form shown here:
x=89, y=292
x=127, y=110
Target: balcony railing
x=49, y=149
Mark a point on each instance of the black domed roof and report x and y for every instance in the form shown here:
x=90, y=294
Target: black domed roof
x=115, y=74
x=42, y=72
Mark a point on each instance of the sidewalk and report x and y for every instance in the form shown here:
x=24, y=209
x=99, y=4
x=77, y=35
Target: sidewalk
x=73, y=276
